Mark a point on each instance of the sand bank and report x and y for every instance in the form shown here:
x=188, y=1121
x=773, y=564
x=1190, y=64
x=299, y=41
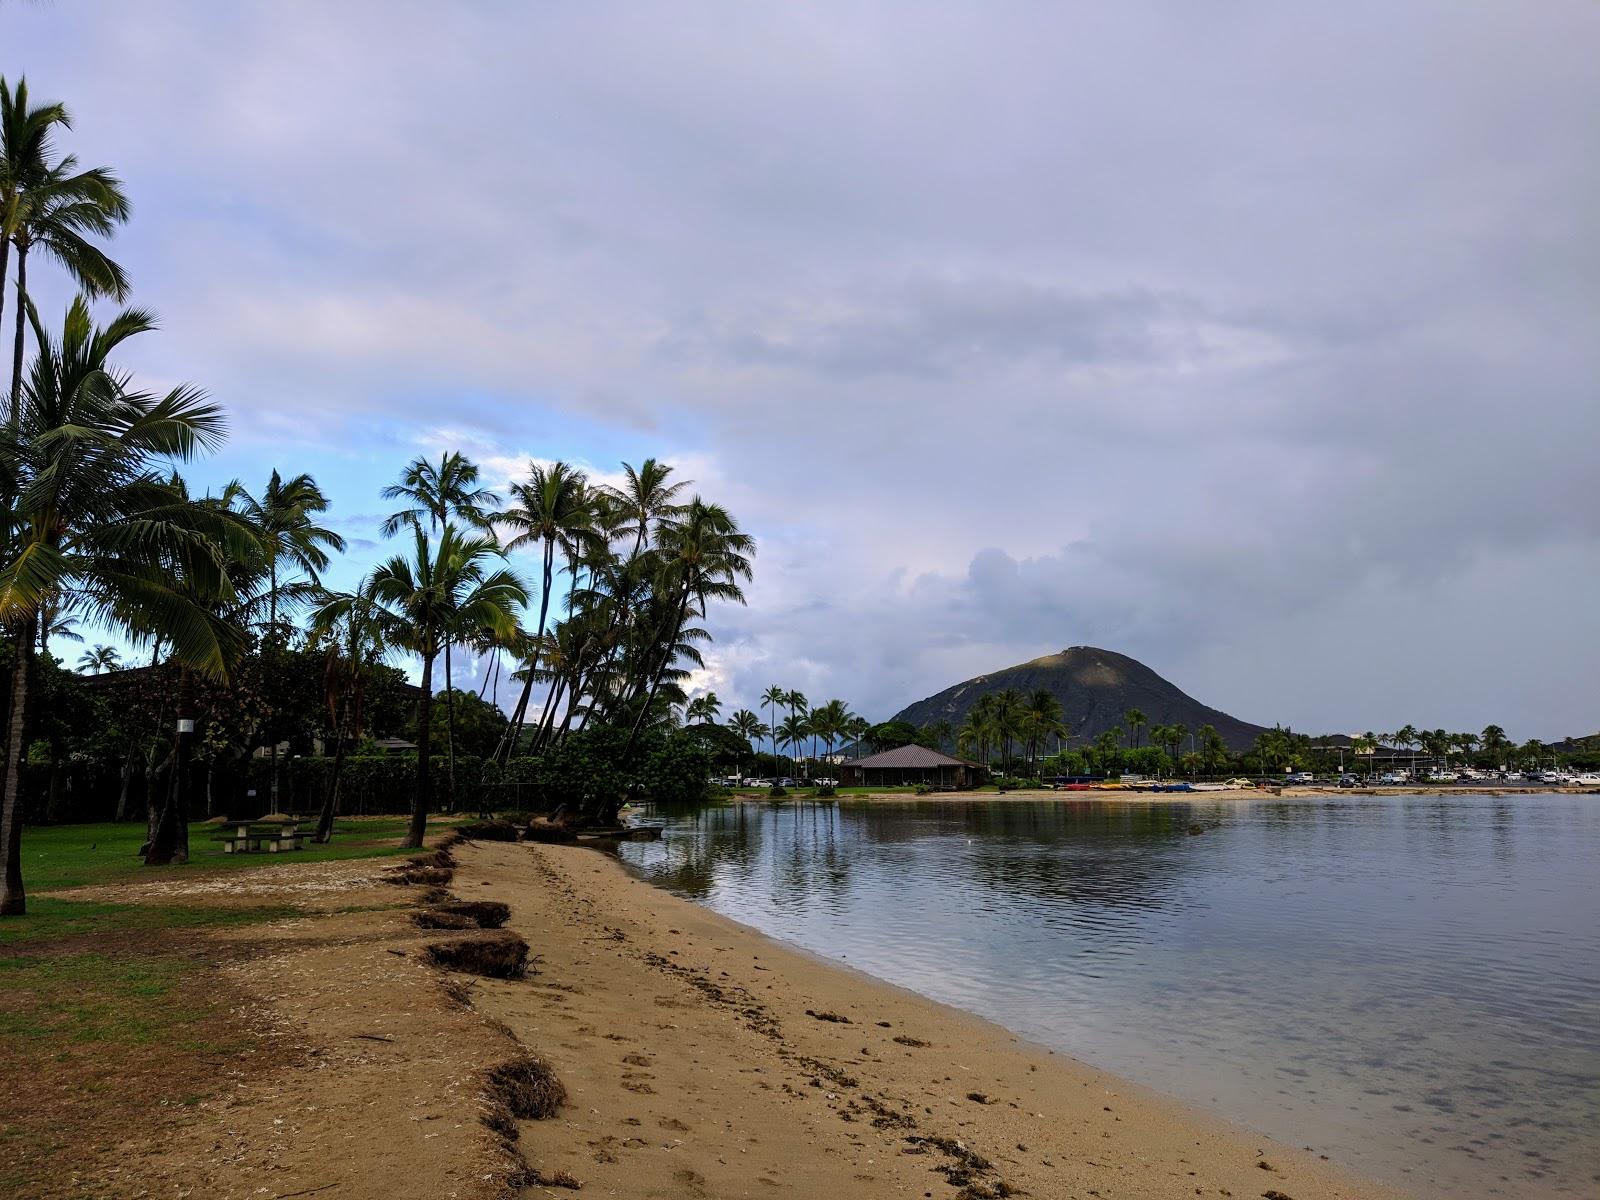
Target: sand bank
x=704, y=1059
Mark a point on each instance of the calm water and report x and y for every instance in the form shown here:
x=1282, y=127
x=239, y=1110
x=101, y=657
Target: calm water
x=1410, y=985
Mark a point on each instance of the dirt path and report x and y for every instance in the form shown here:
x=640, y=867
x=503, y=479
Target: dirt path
x=705, y=1060
x=353, y=1071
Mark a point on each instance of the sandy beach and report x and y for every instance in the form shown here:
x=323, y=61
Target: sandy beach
x=704, y=1059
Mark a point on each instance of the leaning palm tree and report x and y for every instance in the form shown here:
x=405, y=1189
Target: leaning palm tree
x=54, y=208
x=704, y=557
x=428, y=596
x=550, y=509
x=101, y=658
x=88, y=516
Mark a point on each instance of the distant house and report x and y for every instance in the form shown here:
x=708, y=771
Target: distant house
x=908, y=765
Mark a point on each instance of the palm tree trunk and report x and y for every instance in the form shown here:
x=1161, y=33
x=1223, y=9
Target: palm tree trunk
x=450, y=726
x=170, y=844
x=13, y=900
x=420, y=802
x=125, y=794
x=655, y=683
x=15, y=411
x=330, y=805
x=5, y=258
x=520, y=714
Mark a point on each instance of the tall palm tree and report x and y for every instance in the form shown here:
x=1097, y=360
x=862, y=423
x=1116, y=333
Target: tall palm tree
x=88, y=516
x=295, y=546
x=745, y=723
x=435, y=494
x=702, y=710
x=792, y=732
x=551, y=508
x=352, y=626
x=428, y=596
x=773, y=697
x=1136, y=721
x=1042, y=717
x=294, y=549
x=53, y=207
x=796, y=703
x=704, y=557
x=647, y=498
x=101, y=658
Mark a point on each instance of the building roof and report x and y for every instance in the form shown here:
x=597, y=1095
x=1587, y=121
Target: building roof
x=909, y=758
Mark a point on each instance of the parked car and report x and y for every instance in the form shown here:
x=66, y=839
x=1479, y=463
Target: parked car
x=1348, y=781
x=1300, y=778
x=826, y=782
x=1394, y=778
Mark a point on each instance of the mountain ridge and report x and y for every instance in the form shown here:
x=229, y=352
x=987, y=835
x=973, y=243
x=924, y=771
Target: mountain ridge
x=1095, y=687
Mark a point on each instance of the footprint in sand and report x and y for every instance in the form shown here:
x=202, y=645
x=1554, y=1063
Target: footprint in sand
x=637, y=1060
x=673, y=1124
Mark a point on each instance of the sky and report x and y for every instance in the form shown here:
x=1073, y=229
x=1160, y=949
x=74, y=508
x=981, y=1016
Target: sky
x=1257, y=340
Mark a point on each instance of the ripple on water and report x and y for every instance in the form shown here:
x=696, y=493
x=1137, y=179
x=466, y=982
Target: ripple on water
x=1408, y=983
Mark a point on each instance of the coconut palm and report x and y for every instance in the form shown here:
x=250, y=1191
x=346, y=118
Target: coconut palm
x=351, y=625
x=89, y=520
x=746, y=725
x=428, y=596
x=101, y=658
x=1041, y=717
x=773, y=697
x=551, y=508
x=1136, y=721
x=702, y=710
x=295, y=546
x=704, y=557
x=647, y=499
x=49, y=205
x=792, y=732
x=434, y=495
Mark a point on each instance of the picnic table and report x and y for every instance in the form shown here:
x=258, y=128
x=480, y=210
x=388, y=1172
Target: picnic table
x=265, y=834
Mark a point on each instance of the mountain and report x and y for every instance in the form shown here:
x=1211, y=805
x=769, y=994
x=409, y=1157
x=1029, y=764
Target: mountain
x=1095, y=688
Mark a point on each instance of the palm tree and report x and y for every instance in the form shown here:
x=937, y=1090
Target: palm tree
x=1042, y=717
x=793, y=733
x=101, y=658
x=745, y=723
x=702, y=710
x=352, y=625
x=1007, y=720
x=429, y=596
x=704, y=556
x=88, y=517
x=1136, y=720
x=773, y=697
x=295, y=550
x=295, y=546
x=53, y=207
x=434, y=494
x=795, y=701
x=1495, y=742
x=647, y=499
x=550, y=508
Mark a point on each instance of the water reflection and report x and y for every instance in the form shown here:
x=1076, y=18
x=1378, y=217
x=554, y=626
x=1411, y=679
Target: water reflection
x=1410, y=984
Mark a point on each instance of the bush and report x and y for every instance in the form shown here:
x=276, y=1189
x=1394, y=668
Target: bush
x=825, y=791
x=777, y=791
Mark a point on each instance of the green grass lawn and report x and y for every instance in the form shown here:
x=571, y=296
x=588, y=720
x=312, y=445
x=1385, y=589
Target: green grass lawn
x=67, y=856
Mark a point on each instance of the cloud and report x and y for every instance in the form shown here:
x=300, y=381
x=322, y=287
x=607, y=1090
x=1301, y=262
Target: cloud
x=1229, y=337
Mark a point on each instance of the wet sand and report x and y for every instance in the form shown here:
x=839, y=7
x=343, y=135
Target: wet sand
x=704, y=1059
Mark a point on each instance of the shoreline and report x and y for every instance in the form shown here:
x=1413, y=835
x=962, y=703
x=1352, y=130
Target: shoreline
x=705, y=1058
x=1131, y=795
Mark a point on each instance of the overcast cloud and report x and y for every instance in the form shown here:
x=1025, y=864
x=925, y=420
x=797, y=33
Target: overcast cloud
x=1260, y=341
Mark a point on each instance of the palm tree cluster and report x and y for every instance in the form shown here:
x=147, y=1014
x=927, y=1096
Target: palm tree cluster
x=98, y=527
x=1002, y=721
x=822, y=727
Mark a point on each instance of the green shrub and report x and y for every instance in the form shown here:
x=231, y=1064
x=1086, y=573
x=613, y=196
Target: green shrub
x=777, y=791
x=825, y=791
